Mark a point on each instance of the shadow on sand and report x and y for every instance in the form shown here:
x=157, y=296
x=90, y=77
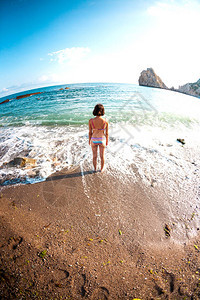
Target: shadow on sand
x=70, y=175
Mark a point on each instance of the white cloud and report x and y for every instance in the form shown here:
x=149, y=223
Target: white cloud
x=4, y=90
x=70, y=55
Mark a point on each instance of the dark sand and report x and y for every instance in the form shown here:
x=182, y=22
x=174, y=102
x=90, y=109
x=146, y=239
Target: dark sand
x=92, y=236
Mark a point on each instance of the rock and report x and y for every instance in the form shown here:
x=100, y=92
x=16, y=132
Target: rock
x=192, y=89
x=153, y=183
x=67, y=88
x=61, y=89
x=22, y=162
x=149, y=78
x=182, y=141
x=5, y=101
x=55, y=163
x=27, y=95
x=167, y=230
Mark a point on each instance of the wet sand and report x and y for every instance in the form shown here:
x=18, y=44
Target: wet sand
x=89, y=235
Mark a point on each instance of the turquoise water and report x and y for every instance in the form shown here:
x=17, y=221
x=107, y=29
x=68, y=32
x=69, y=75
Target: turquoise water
x=74, y=106
x=52, y=128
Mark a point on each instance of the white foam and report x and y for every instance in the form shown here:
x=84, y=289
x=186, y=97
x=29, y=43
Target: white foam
x=152, y=153
x=53, y=149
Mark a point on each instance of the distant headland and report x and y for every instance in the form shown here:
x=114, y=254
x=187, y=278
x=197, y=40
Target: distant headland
x=151, y=79
x=28, y=95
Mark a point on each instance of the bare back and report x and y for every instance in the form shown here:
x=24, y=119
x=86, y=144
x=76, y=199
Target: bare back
x=98, y=131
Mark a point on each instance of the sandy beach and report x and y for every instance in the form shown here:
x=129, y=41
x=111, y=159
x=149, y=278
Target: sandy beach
x=85, y=235
x=78, y=76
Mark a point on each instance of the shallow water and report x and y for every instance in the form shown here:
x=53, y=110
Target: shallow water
x=144, y=125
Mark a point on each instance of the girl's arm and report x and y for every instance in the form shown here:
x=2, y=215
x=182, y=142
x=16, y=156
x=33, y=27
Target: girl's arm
x=90, y=131
x=107, y=134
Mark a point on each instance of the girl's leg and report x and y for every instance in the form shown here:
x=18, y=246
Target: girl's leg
x=94, y=151
x=102, y=150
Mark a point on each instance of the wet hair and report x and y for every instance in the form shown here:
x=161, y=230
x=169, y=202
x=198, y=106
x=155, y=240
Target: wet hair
x=98, y=110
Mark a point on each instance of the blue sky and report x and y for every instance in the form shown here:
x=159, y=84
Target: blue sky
x=54, y=42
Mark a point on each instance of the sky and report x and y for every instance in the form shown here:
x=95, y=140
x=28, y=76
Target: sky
x=49, y=42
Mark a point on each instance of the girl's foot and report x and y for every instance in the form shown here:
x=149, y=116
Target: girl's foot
x=103, y=169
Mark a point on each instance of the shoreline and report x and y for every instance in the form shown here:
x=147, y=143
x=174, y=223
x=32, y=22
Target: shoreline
x=61, y=239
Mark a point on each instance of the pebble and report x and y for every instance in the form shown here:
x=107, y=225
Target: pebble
x=153, y=183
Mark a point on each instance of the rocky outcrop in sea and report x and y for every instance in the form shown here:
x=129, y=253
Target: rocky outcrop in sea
x=150, y=78
x=192, y=89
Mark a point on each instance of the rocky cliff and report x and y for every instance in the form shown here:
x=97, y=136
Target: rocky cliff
x=149, y=78
x=192, y=89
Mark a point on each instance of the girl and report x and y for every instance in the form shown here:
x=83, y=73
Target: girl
x=98, y=134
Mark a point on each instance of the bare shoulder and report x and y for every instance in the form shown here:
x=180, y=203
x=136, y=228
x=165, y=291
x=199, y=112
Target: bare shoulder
x=90, y=123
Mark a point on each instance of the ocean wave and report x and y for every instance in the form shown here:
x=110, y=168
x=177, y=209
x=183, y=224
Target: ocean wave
x=138, y=118
x=56, y=148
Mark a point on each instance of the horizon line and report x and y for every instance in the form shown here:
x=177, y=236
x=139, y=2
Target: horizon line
x=61, y=84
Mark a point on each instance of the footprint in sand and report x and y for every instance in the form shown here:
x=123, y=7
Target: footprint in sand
x=14, y=242
x=168, y=287
x=61, y=278
x=100, y=293
x=78, y=285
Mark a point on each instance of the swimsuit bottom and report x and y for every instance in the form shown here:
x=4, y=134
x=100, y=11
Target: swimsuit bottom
x=101, y=141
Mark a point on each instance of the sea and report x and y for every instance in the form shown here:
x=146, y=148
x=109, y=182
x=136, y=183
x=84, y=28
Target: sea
x=145, y=125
